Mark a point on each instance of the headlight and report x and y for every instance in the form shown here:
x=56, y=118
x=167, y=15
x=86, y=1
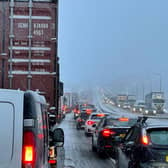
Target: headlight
x=146, y=111
x=140, y=109
x=119, y=105
x=154, y=111
x=164, y=110
x=134, y=109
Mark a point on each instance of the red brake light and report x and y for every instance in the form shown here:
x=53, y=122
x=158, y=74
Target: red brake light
x=90, y=122
x=52, y=161
x=123, y=119
x=100, y=115
x=28, y=155
x=89, y=110
x=145, y=140
x=79, y=120
x=107, y=132
x=75, y=110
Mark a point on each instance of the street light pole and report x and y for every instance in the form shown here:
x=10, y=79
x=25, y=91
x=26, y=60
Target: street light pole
x=160, y=80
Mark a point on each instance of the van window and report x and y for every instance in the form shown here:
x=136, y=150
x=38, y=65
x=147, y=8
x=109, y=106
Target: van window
x=6, y=131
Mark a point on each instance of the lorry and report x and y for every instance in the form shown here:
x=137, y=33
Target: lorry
x=131, y=99
x=28, y=47
x=121, y=99
x=155, y=100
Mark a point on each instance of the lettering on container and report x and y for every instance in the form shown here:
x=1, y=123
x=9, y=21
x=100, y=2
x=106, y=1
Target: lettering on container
x=23, y=25
x=39, y=28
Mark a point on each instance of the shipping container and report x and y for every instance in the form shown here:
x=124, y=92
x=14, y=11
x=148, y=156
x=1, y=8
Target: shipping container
x=28, y=47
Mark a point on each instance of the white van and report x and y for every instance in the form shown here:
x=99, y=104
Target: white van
x=23, y=130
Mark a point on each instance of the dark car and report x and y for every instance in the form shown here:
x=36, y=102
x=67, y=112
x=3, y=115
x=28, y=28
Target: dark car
x=149, y=111
x=80, y=121
x=103, y=137
x=145, y=145
x=89, y=108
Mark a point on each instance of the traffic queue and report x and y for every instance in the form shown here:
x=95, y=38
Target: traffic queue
x=141, y=140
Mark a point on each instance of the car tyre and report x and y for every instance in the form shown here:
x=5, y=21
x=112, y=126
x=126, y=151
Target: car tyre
x=77, y=127
x=131, y=164
x=94, y=149
x=117, y=160
x=100, y=152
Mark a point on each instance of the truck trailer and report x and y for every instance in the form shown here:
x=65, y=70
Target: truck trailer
x=121, y=99
x=28, y=47
x=155, y=100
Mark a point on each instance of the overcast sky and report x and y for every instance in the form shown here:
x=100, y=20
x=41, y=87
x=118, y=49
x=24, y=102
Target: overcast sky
x=118, y=43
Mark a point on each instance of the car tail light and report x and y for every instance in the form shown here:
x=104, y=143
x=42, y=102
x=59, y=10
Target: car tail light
x=52, y=161
x=90, y=122
x=100, y=115
x=75, y=110
x=79, y=120
x=145, y=140
x=28, y=151
x=78, y=111
x=123, y=119
x=107, y=132
x=88, y=111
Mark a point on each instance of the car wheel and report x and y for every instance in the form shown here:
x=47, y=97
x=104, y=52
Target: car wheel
x=86, y=134
x=132, y=164
x=94, y=149
x=117, y=160
x=100, y=152
x=77, y=127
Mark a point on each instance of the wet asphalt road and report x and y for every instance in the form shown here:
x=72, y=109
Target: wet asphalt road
x=77, y=152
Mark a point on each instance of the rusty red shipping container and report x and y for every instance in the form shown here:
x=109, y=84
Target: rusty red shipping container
x=28, y=47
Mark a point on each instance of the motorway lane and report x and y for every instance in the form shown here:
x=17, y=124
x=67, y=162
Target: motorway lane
x=77, y=152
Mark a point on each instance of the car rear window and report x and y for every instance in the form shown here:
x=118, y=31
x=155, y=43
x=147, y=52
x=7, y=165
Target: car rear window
x=84, y=115
x=159, y=136
x=118, y=123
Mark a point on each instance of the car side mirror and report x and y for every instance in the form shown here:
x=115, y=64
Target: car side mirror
x=94, y=125
x=58, y=137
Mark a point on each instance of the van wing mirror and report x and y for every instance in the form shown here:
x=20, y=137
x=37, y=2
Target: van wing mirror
x=58, y=137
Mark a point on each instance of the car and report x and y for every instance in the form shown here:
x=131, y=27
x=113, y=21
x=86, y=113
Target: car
x=80, y=121
x=24, y=130
x=145, y=145
x=126, y=106
x=89, y=108
x=138, y=107
x=109, y=127
x=76, y=112
x=93, y=119
x=149, y=111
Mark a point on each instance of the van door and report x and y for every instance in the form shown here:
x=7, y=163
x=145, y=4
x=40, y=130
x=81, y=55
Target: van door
x=11, y=126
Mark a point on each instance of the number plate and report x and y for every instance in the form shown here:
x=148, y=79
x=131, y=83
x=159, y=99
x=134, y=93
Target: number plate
x=122, y=135
x=167, y=158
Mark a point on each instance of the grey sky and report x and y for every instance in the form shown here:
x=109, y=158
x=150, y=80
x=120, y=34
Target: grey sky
x=113, y=42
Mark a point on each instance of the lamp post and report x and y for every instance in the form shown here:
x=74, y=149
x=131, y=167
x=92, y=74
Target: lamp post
x=160, y=80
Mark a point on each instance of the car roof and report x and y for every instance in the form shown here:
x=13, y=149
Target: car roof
x=122, y=116
x=154, y=123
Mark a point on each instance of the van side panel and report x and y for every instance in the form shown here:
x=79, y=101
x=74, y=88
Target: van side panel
x=11, y=130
